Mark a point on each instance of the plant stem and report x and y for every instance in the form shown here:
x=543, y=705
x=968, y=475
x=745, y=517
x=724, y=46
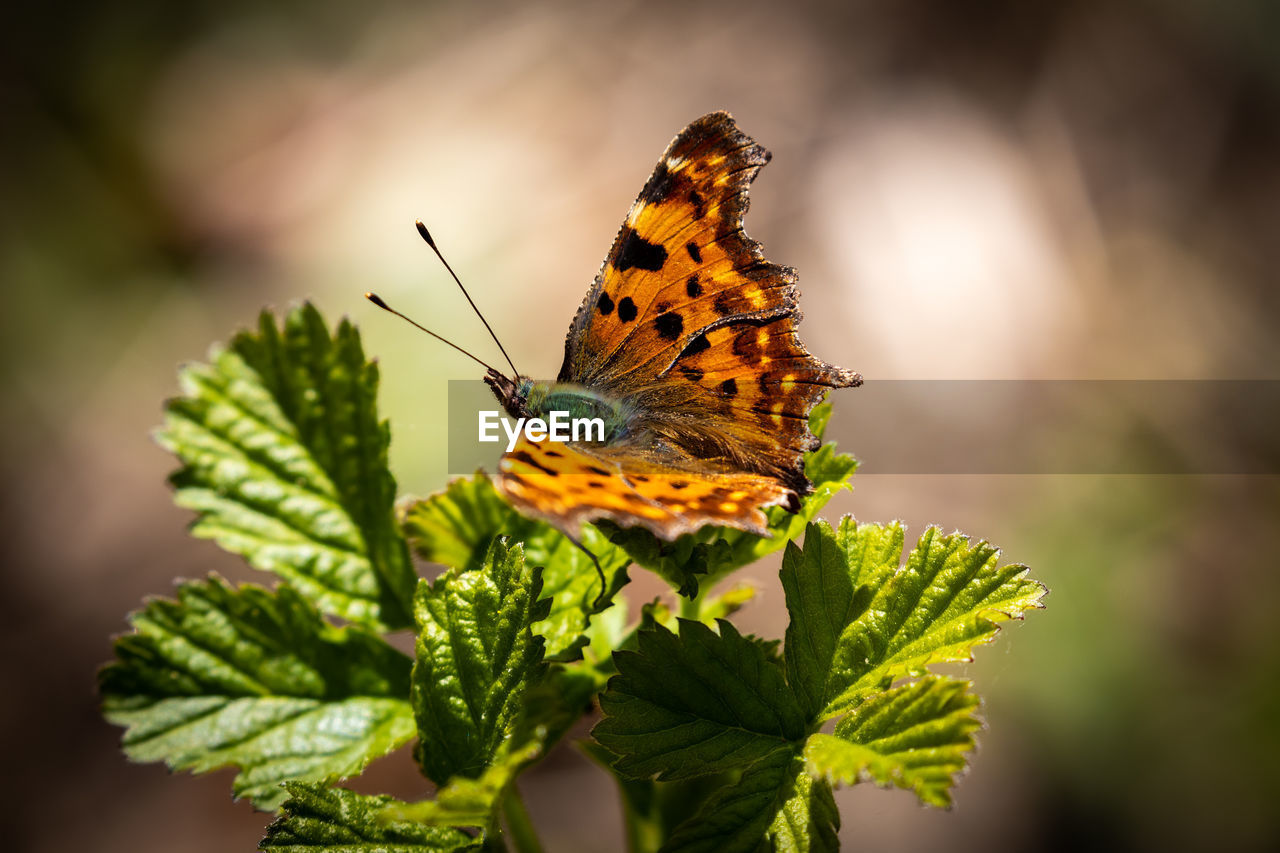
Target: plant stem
x=643, y=832
x=691, y=608
x=520, y=827
x=493, y=842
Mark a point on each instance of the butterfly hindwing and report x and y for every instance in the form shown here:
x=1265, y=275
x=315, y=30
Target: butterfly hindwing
x=571, y=484
x=752, y=385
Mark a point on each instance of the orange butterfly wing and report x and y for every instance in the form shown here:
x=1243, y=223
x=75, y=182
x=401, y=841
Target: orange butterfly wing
x=689, y=323
x=680, y=265
x=571, y=484
x=694, y=332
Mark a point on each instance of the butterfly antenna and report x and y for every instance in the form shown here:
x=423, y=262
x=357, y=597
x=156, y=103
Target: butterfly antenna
x=377, y=300
x=426, y=235
x=595, y=562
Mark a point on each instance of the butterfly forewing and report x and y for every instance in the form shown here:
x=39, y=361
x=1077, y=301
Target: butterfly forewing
x=680, y=265
x=691, y=325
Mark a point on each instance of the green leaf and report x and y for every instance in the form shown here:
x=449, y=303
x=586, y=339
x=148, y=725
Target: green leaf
x=702, y=704
x=948, y=598
x=819, y=416
x=476, y=656
x=696, y=703
x=548, y=709
x=682, y=563
x=333, y=820
x=607, y=632
x=702, y=559
x=466, y=801
x=828, y=584
x=571, y=583
x=808, y=820
x=241, y=677
x=455, y=527
x=775, y=805
x=914, y=736
x=725, y=604
x=735, y=818
x=554, y=704
x=711, y=610
x=285, y=462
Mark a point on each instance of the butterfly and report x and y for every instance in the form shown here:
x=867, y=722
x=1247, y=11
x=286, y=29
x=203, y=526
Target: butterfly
x=686, y=348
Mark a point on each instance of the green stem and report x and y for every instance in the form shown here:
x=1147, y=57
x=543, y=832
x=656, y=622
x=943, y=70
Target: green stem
x=493, y=842
x=523, y=835
x=643, y=831
x=691, y=608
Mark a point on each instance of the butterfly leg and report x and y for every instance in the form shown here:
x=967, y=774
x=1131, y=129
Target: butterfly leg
x=595, y=562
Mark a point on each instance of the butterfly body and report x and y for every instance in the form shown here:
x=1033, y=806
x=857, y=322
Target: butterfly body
x=531, y=398
x=686, y=347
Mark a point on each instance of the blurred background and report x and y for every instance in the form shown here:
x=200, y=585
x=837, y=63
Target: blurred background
x=1083, y=189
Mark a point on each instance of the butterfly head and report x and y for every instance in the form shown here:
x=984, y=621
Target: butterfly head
x=527, y=398
x=513, y=394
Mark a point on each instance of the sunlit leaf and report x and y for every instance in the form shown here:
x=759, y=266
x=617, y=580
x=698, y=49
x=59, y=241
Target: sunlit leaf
x=284, y=461
x=242, y=677
x=915, y=736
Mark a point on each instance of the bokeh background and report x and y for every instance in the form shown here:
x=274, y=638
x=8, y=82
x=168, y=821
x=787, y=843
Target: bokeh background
x=1069, y=189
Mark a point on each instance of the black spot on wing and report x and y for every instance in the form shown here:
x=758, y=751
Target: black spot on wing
x=659, y=187
x=604, y=304
x=699, y=204
x=694, y=252
x=527, y=458
x=693, y=374
x=697, y=345
x=635, y=251
x=729, y=388
x=626, y=310
x=670, y=325
x=693, y=287
x=722, y=305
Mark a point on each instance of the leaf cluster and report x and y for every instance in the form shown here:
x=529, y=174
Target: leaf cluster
x=717, y=740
